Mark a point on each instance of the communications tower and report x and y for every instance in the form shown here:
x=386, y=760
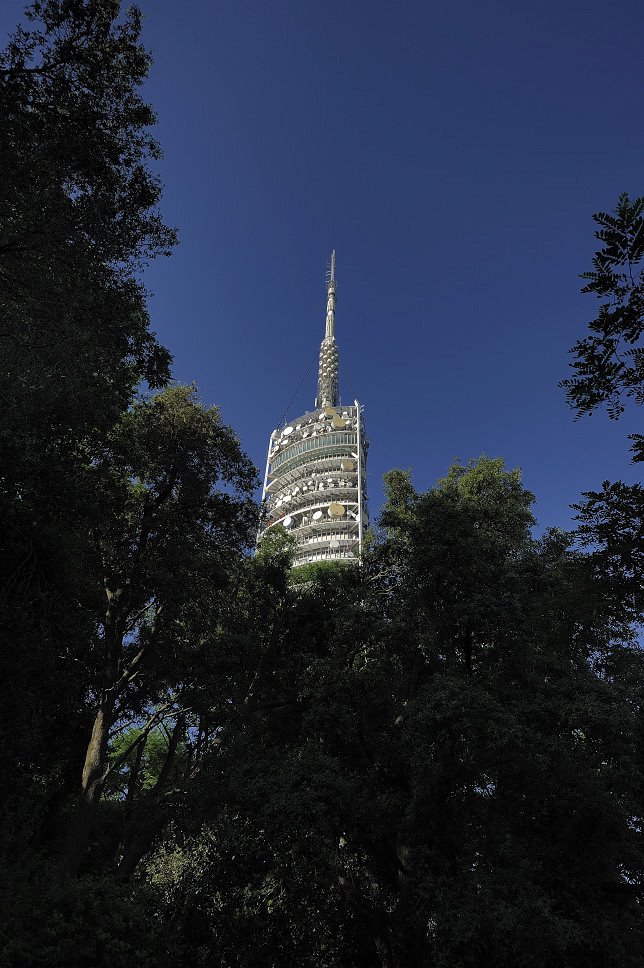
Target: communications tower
x=315, y=479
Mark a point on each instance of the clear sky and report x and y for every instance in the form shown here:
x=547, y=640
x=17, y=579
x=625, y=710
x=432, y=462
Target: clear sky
x=452, y=154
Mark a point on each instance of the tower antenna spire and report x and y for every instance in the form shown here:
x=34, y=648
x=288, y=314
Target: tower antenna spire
x=330, y=299
x=328, y=372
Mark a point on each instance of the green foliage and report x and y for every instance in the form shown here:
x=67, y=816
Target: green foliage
x=94, y=921
x=321, y=570
x=149, y=764
x=277, y=547
x=124, y=518
x=78, y=201
x=436, y=769
x=173, y=511
x=609, y=363
x=612, y=526
x=78, y=218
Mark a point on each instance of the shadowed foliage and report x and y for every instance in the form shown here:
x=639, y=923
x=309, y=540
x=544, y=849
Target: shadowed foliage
x=609, y=363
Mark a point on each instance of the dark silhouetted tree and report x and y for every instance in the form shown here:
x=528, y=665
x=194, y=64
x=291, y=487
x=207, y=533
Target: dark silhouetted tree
x=609, y=363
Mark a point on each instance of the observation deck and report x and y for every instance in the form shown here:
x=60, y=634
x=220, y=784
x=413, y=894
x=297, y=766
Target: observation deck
x=314, y=483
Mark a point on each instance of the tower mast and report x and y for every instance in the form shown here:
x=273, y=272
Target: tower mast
x=330, y=300
x=328, y=370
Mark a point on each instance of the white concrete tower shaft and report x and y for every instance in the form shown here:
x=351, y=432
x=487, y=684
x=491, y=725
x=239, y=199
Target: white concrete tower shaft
x=328, y=371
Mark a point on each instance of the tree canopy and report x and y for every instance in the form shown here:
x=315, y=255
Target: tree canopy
x=438, y=768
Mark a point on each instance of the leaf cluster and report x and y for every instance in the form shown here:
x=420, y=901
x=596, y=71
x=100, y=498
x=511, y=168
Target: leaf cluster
x=609, y=363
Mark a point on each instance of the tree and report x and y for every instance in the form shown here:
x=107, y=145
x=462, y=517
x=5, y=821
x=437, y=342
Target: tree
x=612, y=526
x=173, y=510
x=78, y=217
x=125, y=516
x=429, y=749
x=78, y=220
x=609, y=369
x=609, y=364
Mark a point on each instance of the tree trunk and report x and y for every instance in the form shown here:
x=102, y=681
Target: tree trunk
x=141, y=836
x=91, y=787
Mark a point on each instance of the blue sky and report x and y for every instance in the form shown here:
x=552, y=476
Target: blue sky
x=452, y=154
